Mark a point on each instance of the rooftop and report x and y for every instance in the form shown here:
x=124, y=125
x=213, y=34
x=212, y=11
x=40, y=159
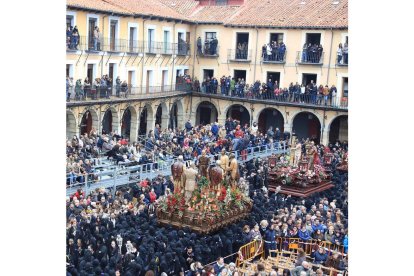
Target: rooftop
x=323, y=14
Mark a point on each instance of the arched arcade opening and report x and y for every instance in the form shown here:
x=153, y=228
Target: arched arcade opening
x=239, y=113
x=161, y=116
x=89, y=121
x=270, y=117
x=206, y=113
x=70, y=125
x=307, y=125
x=338, y=130
x=176, y=115
x=109, y=121
x=145, y=120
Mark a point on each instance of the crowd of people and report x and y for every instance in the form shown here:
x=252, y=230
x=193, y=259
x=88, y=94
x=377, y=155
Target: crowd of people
x=118, y=235
x=274, y=51
x=270, y=90
x=99, y=88
x=165, y=144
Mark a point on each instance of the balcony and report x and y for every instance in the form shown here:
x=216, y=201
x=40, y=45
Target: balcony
x=134, y=47
x=239, y=55
x=182, y=49
x=307, y=57
x=342, y=61
x=208, y=52
x=85, y=94
x=277, y=58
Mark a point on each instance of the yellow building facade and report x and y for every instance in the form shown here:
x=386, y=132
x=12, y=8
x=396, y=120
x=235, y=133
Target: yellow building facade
x=140, y=44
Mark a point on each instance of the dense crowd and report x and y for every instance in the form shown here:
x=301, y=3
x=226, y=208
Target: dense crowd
x=165, y=144
x=94, y=222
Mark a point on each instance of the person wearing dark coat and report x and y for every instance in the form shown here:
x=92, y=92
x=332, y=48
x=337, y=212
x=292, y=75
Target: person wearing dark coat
x=270, y=240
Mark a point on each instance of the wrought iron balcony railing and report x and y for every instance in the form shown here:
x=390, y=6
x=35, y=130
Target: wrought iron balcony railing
x=309, y=57
x=92, y=93
x=208, y=50
x=278, y=57
x=239, y=55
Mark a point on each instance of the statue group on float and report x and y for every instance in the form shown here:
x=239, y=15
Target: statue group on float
x=185, y=175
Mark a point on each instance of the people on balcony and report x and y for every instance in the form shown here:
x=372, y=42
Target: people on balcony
x=345, y=53
x=199, y=46
x=96, y=39
x=274, y=51
x=72, y=38
x=339, y=54
x=312, y=53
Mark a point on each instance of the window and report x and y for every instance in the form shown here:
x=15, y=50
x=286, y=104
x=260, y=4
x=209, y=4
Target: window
x=313, y=38
x=210, y=35
x=113, y=34
x=221, y=2
x=345, y=87
x=278, y=37
x=69, y=21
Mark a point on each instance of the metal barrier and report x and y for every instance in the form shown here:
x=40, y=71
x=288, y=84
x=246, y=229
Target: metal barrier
x=250, y=251
x=293, y=244
x=125, y=173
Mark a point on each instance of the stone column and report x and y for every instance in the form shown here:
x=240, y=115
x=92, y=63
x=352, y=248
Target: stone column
x=164, y=121
x=325, y=136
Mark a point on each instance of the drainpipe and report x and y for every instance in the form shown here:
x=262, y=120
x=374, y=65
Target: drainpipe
x=330, y=54
x=173, y=63
x=255, y=56
x=143, y=53
x=327, y=82
x=195, y=49
x=103, y=33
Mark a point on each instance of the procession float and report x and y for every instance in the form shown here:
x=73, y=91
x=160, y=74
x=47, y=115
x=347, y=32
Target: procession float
x=206, y=198
x=300, y=175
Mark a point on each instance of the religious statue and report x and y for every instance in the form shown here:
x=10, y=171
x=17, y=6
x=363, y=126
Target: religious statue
x=310, y=152
x=203, y=162
x=177, y=169
x=292, y=152
x=216, y=176
x=298, y=153
x=244, y=186
x=224, y=160
x=233, y=169
x=190, y=181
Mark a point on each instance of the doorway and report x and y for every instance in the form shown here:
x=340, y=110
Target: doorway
x=126, y=124
x=274, y=76
x=313, y=38
x=150, y=74
x=86, y=123
x=164, y=80
x=151, y=41
x=208, y=73
x=112, y=36
x=206, y=113
x=91, y=29
x=143, y=122
x=166, y=48
x=133, y=43
x=90, y=72
x=239, y=113
x=239, y=74
x=278, y=37
x=111, y=70
x=307, y=78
